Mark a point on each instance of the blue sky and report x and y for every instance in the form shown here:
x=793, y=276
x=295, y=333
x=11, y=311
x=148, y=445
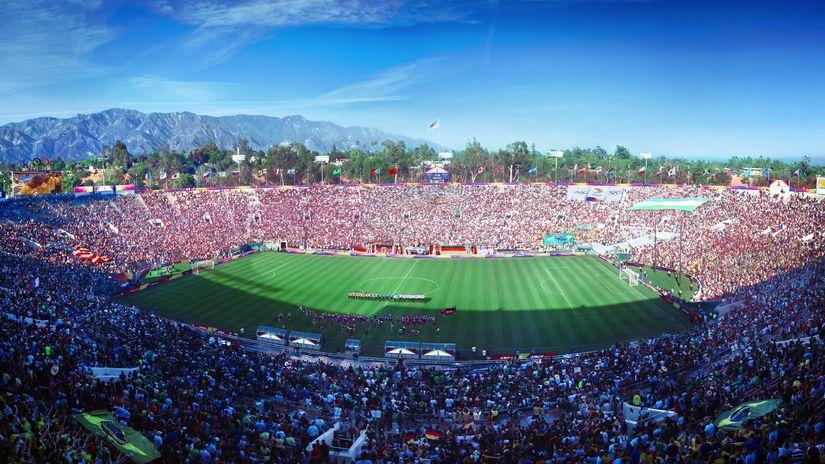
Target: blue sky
x=676, y=77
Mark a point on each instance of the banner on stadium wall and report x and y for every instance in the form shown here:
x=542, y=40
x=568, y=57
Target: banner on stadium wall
x=559, y=239
x=606, y=193
x=577, y=192
x=127, y=189
x=437, y=175
x=31, y=183
x=820, y=185
x=105, y=189
x=81, y=190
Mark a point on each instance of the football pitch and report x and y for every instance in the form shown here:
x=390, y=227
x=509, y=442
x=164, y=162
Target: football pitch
x=557, y=304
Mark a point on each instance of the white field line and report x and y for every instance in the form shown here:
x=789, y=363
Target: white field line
x=560, y=289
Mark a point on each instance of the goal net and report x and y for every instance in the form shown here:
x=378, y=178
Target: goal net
x=632, y=277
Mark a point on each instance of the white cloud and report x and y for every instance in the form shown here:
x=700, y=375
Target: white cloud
x=44, y=42
x=160, y=88
x=224, y=28
x=390, y=84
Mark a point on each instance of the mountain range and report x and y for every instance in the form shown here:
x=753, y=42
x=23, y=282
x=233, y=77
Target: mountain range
x=82, y=136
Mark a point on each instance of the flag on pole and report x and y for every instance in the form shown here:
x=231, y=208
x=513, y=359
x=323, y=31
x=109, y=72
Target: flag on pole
x=611, y=172
x=207, y=174
x=291, y=171
x=375, y=171
x=162, y=176
x=641, y=171
x=393, y=171
x=336, y=171
x=222, y=174
x=262, y=172
x=434, y=125
x=672, y=171
x=480, y=170
x=795, y=173
x=766, y=172
x=175, y=175
x=147, y=176
x=278, y=172
x=236, y=172
x=581, y=170
x=598, y=169
x=533, y=170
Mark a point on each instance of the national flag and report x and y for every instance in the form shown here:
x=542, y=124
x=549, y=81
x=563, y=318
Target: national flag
x=611, y=172
x=278, y=172
x=262, y=172
x=795, y=173
x=598, y=169
x=162, y=176
x=433, y=435
x=35, y=283
x=409, y=438
x=672, y=171
x=126, y=439
x=733, y=419
x=207, y=174
x=434, y=125
x=175, y=176
x=533, y=170
x=480, y=170
x=336, y=171
x=147, y=176
x=393, y=171
x=222, y=174
x=766, y=172
x=581, y=170
x=641, y=170
x=236, y=172
x=375, y=171
x=468, y=424
x=290, y=171
x=499, y=170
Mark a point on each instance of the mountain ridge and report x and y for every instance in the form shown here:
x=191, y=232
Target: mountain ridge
x=82, y=136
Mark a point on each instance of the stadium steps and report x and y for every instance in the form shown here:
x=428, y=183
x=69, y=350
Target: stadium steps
x=139, y=200
x=173, y=202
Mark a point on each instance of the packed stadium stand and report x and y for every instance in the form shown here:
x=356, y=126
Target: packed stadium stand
x=199, y=399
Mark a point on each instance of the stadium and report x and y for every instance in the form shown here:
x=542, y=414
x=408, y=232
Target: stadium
x=412, y=232
x=293, y=323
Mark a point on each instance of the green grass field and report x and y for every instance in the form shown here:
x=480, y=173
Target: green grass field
x=543, y=304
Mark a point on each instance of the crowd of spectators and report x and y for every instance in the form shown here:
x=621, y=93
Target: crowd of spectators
x=199, y=399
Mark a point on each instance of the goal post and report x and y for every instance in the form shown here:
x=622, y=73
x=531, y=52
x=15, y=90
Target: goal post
x=632, y=277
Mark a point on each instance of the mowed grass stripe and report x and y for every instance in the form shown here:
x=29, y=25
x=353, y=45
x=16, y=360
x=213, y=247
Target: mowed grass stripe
x=501, y=302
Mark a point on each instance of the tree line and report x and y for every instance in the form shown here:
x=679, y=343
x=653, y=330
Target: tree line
x=393, y=161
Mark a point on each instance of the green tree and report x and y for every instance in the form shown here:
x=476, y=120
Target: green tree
x=120, y=155
x=622, y=152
